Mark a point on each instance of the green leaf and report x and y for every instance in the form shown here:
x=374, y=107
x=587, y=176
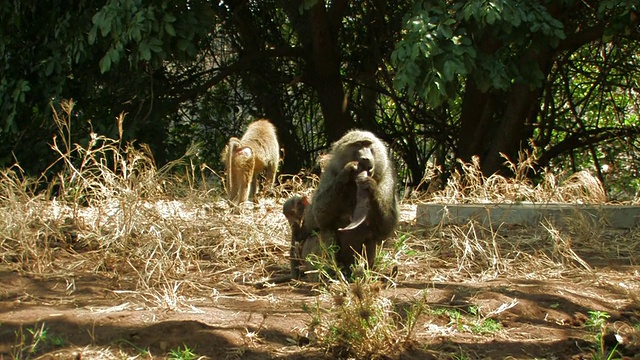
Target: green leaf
x=168, y=17
x=145, y=51
x=516, y=20
x=136, y=34
x=169, y=29
x=306, y=5
x=49, y=69
x=105, y=64
x=183, y=44
x=156, y=45
x=98, y=18
x=114, y=55
x=491, y=17
x=26, y=87
x=105, y=27
x=92, y=35
x=448, y=70
x=446, y=31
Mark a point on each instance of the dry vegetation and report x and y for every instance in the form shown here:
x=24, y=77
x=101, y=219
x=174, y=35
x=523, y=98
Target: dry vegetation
x=166, y=240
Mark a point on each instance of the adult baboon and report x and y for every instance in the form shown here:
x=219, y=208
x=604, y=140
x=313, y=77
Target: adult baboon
x=246, y=158
x=355, y=204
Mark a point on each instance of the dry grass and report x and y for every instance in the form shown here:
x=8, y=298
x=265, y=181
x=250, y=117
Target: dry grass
x=168, y=235
x=484, y=251
x=111, y=211
x=361, y=322
x=469, y=185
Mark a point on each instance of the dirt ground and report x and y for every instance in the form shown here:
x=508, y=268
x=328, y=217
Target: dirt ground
x=100, y=317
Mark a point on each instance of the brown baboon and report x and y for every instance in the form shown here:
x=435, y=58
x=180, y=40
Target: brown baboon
x=294, y=208
x=355, y=204
x=301, y=244
x=246, y=158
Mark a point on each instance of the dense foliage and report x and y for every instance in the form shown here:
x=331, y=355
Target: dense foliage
x=438, y=80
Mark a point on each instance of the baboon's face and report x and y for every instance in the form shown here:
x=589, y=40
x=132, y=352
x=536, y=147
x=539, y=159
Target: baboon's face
x=363, y=153
x=293, y=209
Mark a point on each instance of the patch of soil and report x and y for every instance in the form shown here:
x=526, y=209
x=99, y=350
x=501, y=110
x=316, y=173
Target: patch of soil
x=547, y=321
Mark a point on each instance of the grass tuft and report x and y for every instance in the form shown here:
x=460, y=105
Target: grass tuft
x=361, y=322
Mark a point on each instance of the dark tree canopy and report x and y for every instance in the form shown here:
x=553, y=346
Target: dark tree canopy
x=501, y=58
x=438, y=80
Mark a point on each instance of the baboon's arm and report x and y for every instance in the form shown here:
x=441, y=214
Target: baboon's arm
x=384, y=209
x=332, y=199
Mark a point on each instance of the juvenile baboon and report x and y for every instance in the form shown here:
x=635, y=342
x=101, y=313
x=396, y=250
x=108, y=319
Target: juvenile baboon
x=244, y=159
x=355, y=204
x=294, y=208
x=301, y=244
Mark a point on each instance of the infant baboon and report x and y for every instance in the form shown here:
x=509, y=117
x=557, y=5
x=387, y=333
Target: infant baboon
x=244, y=159
x=294, y=208
x=355, y=204
x=301, y=244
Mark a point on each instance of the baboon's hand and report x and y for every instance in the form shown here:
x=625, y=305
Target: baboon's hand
x=352, y=167
x=349, y=172
x=366, y=182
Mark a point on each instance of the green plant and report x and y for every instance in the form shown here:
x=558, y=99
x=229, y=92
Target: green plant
x=455, y=317
x=483, y=324
x=475, y=323
x=362, y=323
x=324, y=261
x=25, y=346
x=461, y=356
x=183, y=353
x=401, y=246
x=143, y=352
x=486, y=326
x=597, y=323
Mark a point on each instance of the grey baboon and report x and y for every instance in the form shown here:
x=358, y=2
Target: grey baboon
x=246, y=158
x=355, y=204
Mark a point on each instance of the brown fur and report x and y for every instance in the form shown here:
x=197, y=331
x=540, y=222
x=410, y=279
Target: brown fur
x=294, y=209
x=246, y=158
x=358, y=178
x=301, y=244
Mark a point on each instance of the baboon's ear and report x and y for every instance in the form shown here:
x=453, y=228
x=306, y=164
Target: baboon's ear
x=305, y=201
x=244, y=151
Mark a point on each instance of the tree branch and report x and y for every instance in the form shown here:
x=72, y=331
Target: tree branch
x=584, y=139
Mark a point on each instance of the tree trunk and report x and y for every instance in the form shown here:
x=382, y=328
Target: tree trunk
x=323, y=71
x=486, y=134
x=496, y=124
x=511, y=134
x=476, y=119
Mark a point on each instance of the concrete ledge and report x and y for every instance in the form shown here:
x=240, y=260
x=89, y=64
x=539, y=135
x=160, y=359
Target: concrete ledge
x=528, y=214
